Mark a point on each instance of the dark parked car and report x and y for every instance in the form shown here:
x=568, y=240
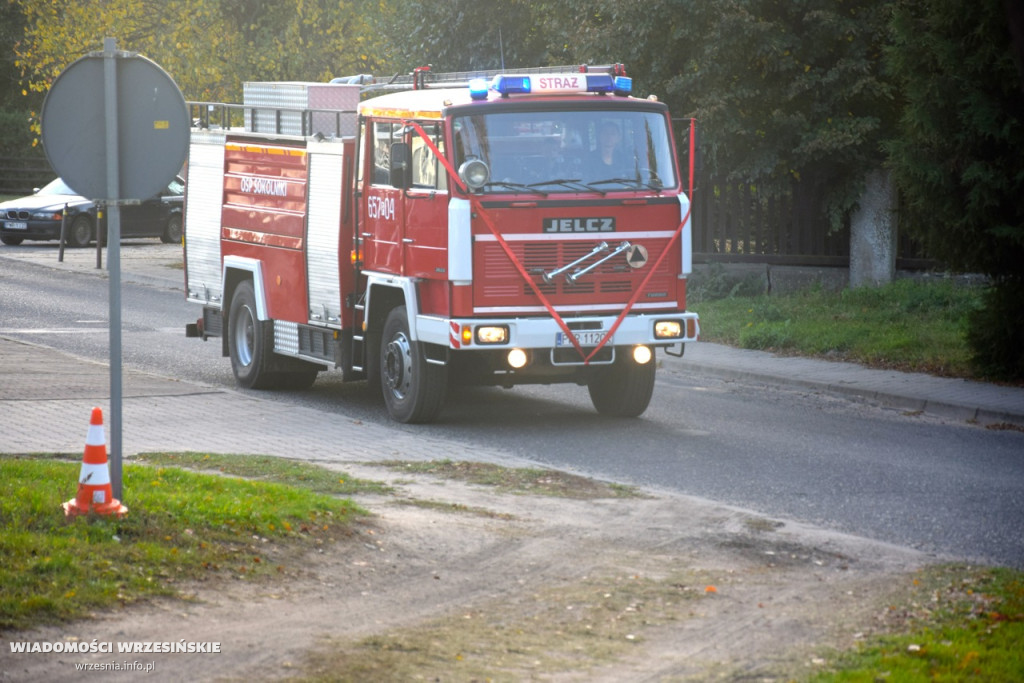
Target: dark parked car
x=38, y=216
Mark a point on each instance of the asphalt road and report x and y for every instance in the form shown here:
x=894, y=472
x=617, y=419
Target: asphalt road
x=948, y=488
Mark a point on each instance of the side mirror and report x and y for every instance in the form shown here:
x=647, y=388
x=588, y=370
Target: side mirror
x=401, y=165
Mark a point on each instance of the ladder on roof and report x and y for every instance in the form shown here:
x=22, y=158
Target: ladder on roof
x=423, y=77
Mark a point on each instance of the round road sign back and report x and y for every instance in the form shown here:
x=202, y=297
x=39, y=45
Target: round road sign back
x=152, y=127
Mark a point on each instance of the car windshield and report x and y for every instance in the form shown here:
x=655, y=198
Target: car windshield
x=562, y=151
x=57, y=187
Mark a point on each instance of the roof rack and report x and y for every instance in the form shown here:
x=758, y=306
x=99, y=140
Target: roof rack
x=423, y=77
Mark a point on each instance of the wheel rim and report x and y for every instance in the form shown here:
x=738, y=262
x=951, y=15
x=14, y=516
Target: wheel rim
x=397, y=364
x=81, y=231
x=245, y=332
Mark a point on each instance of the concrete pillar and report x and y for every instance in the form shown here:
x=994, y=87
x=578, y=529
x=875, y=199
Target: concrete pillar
x=873, y=233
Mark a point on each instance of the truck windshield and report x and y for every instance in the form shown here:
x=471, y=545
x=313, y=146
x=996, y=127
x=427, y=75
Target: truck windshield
x=561, y=151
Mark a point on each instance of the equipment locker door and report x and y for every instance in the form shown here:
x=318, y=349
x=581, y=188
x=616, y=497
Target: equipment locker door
x=323, y=226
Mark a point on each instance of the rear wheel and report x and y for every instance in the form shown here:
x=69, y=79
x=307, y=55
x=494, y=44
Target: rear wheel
x=80, y=231
x=250, y=340
x=624, y=388
x=413, y=388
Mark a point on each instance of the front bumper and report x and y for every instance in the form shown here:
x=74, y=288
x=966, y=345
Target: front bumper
x=545, y=333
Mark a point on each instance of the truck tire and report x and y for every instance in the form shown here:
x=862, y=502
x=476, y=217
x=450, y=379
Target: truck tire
x=250, y=340
x=413, y=389
x=624, y=388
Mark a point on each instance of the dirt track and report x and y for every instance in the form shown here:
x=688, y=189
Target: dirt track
x=478, y=584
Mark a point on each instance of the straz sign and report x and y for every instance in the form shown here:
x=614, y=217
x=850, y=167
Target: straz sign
x=562, y=225
x=559, y=83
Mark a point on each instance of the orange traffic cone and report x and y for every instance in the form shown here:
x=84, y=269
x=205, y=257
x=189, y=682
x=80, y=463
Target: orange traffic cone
x=94, y=493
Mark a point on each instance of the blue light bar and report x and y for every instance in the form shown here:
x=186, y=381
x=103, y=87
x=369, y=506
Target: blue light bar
x=511, y=85
x=559, y=84
x=478, y=88
x=599, y=83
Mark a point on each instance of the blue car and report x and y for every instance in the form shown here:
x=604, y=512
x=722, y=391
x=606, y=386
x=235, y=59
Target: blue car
x=39, y=216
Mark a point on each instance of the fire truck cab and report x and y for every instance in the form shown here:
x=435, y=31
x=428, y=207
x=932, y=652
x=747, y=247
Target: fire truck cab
x=526, y=227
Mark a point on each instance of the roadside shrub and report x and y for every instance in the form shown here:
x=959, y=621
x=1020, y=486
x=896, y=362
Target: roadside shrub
x=995, y=334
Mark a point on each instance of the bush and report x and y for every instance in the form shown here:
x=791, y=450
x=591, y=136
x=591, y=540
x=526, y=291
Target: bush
x=995, y=334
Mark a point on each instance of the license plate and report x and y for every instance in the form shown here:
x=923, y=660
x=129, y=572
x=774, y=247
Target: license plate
x=583, y=337
x=16, y=225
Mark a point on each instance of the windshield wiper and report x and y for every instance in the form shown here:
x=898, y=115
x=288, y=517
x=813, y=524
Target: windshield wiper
x=629, y=181
x=573, y=183
x=517, y=186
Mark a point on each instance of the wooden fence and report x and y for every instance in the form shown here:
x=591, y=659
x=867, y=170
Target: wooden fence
x=733, y=223
x=20, y=175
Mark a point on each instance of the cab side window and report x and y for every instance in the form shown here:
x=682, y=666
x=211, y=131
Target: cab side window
x=427, y=171
x=384, y=133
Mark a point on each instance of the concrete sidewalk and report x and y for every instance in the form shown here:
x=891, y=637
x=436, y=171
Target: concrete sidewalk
x=39, y=386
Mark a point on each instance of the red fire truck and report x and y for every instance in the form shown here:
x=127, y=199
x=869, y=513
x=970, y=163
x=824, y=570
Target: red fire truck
x=447, y=229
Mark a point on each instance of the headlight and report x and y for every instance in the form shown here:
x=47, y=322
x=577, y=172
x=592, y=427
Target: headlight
x=49, y=215
x=668, y=329
x=474, y=173
x=492, y=334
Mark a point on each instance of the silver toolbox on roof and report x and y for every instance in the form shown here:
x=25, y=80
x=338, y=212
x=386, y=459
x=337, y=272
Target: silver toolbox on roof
x=282, y=107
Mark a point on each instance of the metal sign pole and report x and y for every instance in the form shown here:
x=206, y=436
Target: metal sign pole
x=113, y=258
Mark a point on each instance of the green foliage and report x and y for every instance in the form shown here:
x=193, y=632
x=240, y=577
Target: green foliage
x=957, y=159
x=918, y=326
x=962, y=624
x=209, y=48
x=996, y=332
x=466, y=35
x=781, y=90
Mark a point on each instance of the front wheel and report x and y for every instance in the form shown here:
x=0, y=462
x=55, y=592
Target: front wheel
x=172, y=231
x=623, y=389
x=11, y=241
x=80, y=231
x=250, y=340
x=413, y=388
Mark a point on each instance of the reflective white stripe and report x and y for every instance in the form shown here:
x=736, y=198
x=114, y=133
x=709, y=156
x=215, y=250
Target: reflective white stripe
x=686, y=239
x=94, y=475
x=95, y=436
x=588, y=236
x=460, y=242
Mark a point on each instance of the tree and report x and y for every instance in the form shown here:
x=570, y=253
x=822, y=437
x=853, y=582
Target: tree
x=209, y=47
x=957, y=159
x=782, y=89
x=467, y=35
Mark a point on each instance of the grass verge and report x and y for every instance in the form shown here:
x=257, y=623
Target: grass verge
x=181, y=526
x=959, y=624
x=907, y=325
x=522, y=480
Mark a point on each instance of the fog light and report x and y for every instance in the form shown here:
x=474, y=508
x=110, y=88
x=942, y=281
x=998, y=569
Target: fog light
x=642, y=354
x=492, y=334
x=517, y=358
x=668, y=329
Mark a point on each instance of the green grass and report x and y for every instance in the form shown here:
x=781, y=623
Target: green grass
x=961, y=624
x=180, y=526
x=908, y=325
